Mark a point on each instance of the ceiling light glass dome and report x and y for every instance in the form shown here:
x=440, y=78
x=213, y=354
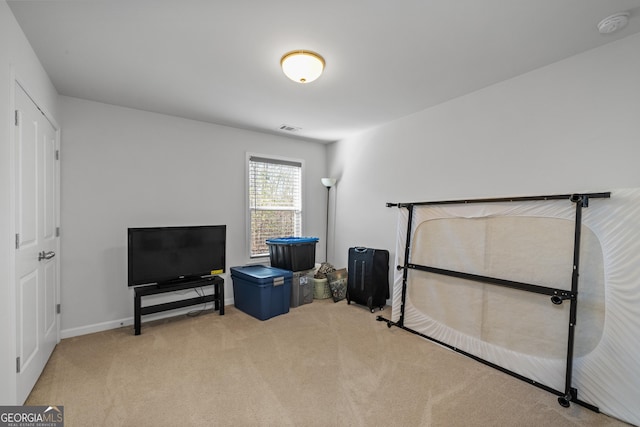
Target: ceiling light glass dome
x=302, y=66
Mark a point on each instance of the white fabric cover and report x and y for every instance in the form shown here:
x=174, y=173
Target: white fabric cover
x=524, y=332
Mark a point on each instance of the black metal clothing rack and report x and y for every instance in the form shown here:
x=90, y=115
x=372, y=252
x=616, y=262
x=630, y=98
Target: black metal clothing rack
x=557, y=296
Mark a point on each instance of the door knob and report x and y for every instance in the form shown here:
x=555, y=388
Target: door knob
x=45, y=255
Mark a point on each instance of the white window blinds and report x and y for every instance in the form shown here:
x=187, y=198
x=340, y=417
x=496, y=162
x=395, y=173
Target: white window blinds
x=275, y=201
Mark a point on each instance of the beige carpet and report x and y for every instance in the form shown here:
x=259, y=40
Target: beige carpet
x=322, y=364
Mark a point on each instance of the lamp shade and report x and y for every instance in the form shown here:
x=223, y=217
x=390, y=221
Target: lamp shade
x=302, y=66
x=328, y=182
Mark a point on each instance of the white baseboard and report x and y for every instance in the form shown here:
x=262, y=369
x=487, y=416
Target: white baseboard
x=97, y=327
x=114, y=324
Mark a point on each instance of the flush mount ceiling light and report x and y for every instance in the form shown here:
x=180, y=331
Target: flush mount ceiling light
x=302, y=66
x=613, y=23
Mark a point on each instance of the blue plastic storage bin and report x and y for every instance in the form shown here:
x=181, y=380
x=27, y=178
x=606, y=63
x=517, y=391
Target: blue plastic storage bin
x=293, y=253
x=260, y=291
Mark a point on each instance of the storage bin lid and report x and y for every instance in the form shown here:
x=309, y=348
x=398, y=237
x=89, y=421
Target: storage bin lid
x=259, y=273
x=291, y=240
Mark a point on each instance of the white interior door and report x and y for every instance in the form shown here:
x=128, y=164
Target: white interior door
x=36, y=269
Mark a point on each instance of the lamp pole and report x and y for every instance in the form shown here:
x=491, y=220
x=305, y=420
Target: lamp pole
x=326, y=240
x=327, y=182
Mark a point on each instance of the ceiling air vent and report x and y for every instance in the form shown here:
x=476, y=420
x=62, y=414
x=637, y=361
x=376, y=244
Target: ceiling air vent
x=288, y=128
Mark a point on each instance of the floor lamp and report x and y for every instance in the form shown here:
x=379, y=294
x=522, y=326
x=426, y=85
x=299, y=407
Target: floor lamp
x=327, y=182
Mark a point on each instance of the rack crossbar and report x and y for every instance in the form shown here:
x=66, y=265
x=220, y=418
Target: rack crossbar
x=572, y=197
x=544, y=290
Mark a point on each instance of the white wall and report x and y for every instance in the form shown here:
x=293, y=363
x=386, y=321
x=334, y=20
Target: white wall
x=17, y=60
x=569, y=127
x=128, y=168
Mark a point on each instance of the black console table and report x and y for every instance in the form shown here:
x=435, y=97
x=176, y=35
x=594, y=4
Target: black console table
x=141, y=291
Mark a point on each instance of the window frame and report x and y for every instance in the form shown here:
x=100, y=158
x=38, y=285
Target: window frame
x=275, y=158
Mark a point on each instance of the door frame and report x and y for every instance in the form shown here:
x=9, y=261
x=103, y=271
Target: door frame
x=15, y=79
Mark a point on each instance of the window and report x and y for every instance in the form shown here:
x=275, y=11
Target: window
x=275, y=201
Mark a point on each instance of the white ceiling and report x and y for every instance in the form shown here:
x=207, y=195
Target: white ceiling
x=218, y=61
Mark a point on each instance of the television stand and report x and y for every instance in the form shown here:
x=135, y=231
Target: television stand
x=141, y=291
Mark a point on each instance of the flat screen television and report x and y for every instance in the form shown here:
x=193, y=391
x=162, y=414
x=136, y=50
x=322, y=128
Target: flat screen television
x=165, y=255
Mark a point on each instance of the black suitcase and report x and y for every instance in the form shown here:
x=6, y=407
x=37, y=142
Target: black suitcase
x=368, y=277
